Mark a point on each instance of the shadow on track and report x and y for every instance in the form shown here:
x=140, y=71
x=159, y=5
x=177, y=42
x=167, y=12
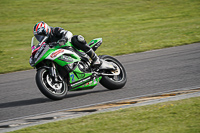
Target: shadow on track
x=43, y=100
x=76, y=94
x=24, y=102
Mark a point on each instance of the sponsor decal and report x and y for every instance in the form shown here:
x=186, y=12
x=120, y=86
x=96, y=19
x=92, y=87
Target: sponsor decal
x=79, y=75
x=89, y=83
x=81, y=81
x=66, y=58
x=54, y=54
x=93, y=82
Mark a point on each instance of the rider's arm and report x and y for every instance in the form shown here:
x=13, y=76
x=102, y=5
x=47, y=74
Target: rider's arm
x=63, y=34
x=69, y=35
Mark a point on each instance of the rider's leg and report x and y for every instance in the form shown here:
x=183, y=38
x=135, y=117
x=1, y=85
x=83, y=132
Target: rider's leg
x=96, y=62
x=79, y=42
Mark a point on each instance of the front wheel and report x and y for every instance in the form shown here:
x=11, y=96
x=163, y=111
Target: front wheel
x=54, y=91
x=117, y=81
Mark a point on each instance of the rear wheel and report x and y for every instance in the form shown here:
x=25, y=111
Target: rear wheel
x=117, y=81
x=54, y=91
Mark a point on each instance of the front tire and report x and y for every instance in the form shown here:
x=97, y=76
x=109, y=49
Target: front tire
x=54, y=91
x=113, y=82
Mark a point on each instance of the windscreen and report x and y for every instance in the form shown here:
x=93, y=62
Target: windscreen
x=34, y=43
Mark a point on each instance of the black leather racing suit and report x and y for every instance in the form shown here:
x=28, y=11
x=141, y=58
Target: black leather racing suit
x=58, y=33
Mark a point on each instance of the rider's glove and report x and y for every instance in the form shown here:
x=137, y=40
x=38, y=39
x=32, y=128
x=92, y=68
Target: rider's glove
x=62, y=42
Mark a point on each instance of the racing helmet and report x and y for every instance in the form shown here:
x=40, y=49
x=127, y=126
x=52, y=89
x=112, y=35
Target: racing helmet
x=41, y=30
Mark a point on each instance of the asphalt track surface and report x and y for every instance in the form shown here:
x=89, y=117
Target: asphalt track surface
x=148, y=73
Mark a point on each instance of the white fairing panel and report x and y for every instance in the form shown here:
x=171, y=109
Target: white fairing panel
x=58, y=53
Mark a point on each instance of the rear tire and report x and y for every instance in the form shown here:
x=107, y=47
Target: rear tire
x=113, y=82
x=56, y=91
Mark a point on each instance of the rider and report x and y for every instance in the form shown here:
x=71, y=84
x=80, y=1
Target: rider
x=45, y=33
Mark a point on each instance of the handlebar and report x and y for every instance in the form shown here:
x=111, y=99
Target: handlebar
x=52, y=44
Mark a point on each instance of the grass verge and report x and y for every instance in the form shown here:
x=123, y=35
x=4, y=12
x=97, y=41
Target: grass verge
x=169, y=117
x=126, y=26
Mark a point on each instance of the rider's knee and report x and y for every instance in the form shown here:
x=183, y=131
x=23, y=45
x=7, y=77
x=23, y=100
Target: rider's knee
x=79, y=42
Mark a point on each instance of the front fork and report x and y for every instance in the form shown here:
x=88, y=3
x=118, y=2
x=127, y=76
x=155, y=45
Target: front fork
x=54, y=74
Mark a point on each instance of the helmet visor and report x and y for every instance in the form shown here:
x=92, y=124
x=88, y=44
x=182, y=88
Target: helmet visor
x=39, y=37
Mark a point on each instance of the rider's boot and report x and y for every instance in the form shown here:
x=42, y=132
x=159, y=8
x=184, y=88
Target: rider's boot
x=96, y=61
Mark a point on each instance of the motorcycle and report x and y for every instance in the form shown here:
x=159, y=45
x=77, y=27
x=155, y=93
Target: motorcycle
x=63, y=68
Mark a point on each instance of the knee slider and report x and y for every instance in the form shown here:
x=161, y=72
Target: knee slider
x=81, y=39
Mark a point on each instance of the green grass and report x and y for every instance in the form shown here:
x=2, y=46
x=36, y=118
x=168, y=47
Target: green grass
x=126, y=26
x=170, y=117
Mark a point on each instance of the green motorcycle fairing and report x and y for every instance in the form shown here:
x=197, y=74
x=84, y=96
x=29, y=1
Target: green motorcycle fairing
x=79, y=79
